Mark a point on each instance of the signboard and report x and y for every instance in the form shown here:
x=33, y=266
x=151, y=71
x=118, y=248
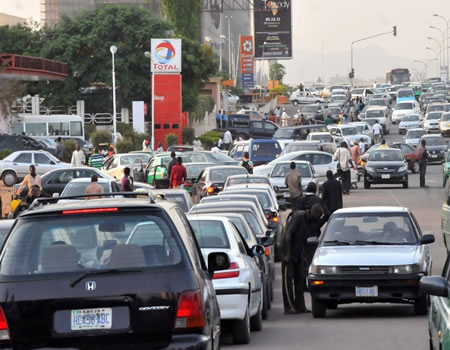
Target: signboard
x=167, y=107
x=273, y=29
x=247, y=61
x=166, y=55
x=444, y=73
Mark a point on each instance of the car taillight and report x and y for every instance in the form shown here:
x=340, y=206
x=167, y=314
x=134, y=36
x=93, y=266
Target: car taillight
x=90, y=211
x=210, y=189
x=4, y=330
x=190, y=311
x=266, y=251
x=227, y=273
x=274, y=219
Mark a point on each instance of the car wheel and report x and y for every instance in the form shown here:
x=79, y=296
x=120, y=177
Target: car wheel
x=421, y=305
x=366, y=184
x=444, y=182
x=9, y=178
x=415, y=167
x=265, y=303
x=256, y=320
x=332, y=305
x=271, y=291
x=295, y=103
x=405, y=184
x=241, y=329
x=318, y=308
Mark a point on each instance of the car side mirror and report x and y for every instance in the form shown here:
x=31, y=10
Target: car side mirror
x=427, y=239
x=434, y=285
x=217, y=262
x=270, y=233
x=267, y=241
x=55, y=195
x=257, y=250
x=313, y=241
x=52, y=162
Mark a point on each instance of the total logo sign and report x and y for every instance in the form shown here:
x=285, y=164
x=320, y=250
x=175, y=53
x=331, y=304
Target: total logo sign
x=166, y=55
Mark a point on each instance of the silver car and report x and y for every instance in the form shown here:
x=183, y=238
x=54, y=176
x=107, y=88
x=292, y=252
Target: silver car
x=413, y=136
x=409, y=121
x=368, y=255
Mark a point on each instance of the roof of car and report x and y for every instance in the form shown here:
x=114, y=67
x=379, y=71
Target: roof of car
x=169, y=191
x=88, y=179
x=252, y=186
x=373, y=209
x=295, y=161
x=430, y=136
x=245, y=175
x=376, y=108
x=7, y=223
x=225, y=167
x=206, y=217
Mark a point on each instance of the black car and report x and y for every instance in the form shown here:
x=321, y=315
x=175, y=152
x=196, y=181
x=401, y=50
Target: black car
x=20, y=143
x=386, y=166
x=299, y=132
x=436, y=146
x=121, y=273
x=211, y=180
x=217, y=158
x=241, y=125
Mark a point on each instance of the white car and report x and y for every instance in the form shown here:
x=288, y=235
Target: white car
x=278, y=175
x=115, y=164
x=404, y=108
x=431, y=122
x=16, y=166
x=410, y=121
x=319, y=136
x=382, y=115
x=413, y=136
x=302, y=97
x=348, y=132
x=239, y=289
x=363, y=128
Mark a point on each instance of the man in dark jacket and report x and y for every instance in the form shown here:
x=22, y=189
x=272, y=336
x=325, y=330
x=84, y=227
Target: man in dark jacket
x=173, y=161
x=295, y=264
x=308, y=200
x=332, y=193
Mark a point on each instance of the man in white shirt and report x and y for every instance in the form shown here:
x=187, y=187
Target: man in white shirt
x=78, y=157
x=284, y=118
x=376, y=132
x=227, y=140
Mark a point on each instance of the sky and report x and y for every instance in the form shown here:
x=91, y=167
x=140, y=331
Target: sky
x=323, y=31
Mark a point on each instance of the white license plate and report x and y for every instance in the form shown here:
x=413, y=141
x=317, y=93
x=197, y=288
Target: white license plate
x=434, y=156
x=86, y=319
x=366, y=291
x=286, y=195
x=385, y=176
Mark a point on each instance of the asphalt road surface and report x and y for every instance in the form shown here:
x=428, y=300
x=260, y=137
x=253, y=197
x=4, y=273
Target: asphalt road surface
x=363, y=326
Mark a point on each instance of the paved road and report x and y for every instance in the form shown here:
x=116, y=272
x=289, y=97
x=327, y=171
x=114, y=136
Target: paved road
x=361, y=326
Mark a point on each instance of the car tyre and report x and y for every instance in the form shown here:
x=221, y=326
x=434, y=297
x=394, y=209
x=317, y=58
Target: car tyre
x=9, y=178
x=444, y=182
x=332, y=305
x=318, y=309
x=241, y=329
x=415, y=167
x=256, y=323
x=265, y=303
x=366, y=184
x=295, y=103
x=421, y=305
x=405, y=184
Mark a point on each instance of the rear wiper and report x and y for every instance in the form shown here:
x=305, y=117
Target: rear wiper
x=102, y=272
x=375, y=243
x=339, y=241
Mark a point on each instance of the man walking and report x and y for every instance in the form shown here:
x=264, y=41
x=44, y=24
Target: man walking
x=127, y=182
x=423, y=159
x=178, y=175
x=294, y=265
x=218, y=119
x=78, y=157
x=284, y=118
x=293, y=181
x=95, y=160
x=342, y=155
x=227, y=140
x=94, y=188
x=247, y=163
x=355, y=153
x=173, y=161
x=224, y=120
x=60, y=149
x=332, y=193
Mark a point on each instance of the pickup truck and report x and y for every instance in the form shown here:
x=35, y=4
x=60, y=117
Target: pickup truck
x=241, y=125
x=302, y=97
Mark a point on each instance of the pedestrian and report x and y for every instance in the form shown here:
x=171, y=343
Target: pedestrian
x=178, y=175
x=160, y=148
x=95, y=160
x=348, y=95
x=111, y=151
x=422, y=153
x=329, y=120
x=197, y=144
x=332, y=193
x=355, y=153
x=146, y=146
x=247, y=163
x=78, y=157
x=264, y=117
x=293, y=181
x=127, y=181
x=173, y=161
x=94, y=188
x=362, y=146
x=278, y=114
x=383, y=144
x=60, y=149
x=30, y=180
x=219, y=143
x=376, y=128
x=294, y=265
x=227, y=140
x=284, y=118
x=218, y=118
x=224, y=120
x=25, y=203
x=342, y=155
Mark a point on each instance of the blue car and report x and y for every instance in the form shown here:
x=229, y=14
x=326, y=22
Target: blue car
x=405, y=95
x=261, y=151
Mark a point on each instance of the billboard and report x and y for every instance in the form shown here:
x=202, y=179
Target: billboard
x=166, y=55
x=247, y=61
x=167, y=107
x=273, y=29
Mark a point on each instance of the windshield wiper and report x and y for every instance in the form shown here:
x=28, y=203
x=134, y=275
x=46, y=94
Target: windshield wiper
x=375, y=243
x=339, y=242
x=102, y=272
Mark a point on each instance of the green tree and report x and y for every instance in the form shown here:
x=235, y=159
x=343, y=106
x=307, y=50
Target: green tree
x=277, y=72
x=20, y=39
x=185, y=16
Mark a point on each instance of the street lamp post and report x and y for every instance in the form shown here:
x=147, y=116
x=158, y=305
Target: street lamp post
x=148, y=54
x=229, y=45
x=425, y=64
x=113, y=50
x=447, y=21
x=443, y=62
x=438, y=56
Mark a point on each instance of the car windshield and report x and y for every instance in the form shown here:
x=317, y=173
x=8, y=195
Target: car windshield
x=247, y=180
x=435, y=141
x=435, y=108
x=415, y=134
x=377, y=102
x=404, y=106
x=374, y=114
x=263, y=197
x=405, y=93
x=445, y=117
x=434, y=116
x=300, y=147
x=411, y=118
x=283, y=133
x=359, y=129
x=210, y=234
x=338, y=98
x=193, y=171
x=384, y=155
x=321, y=137
x=130, y=159
x=369, y=121
x=79, y=188
x=265, y=149
x=221, y=157
x=221, y=174
x=97, y=241
x=370, y=228
x=281, y=170
x=357, y=91
x=349, y=131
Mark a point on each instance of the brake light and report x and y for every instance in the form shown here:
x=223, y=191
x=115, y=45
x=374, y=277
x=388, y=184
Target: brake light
x=274, y=219
x=90, y=211
x=210, y=189
x=266, y=251
x=227, y=273
x=190, y=311
x=318, y=283
x=4, y=330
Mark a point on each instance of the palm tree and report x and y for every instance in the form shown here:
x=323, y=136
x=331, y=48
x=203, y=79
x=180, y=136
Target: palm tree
x=277, y=72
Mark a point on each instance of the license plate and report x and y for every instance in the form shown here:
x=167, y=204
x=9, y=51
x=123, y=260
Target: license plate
x=87, y=319
x=434, y=156
x=286, y=195
x=366, y=291
x=385, y=176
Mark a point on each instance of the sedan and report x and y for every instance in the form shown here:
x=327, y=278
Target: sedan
x=444, y=124
x=413, y=136
x=436, y=146
x=431, y=122
x=278, y=175
x=239, y=289
x=77, y=187
x=245, y=179
x=115, y=164
x=409, y=121
x=217, y=158
x=369, y=255
x=386, y=166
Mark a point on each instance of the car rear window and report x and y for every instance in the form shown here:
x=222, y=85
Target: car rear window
x=210, y=234
x=221, y=174
x=179, y=199
x=71, y=243
x=380, y=155
x=79, y=188
x=247, y=180
x=266, y=149
x=281, y=170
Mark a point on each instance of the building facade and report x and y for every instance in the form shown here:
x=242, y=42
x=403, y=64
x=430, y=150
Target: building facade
x=8, y=20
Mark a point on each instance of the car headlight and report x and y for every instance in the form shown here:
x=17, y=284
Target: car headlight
x=426, y=123
x=323, y=270
x=406, y=269
x=370, y=169
x=402, y=168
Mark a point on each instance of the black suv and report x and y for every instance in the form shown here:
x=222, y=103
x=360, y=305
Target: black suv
x=120, y=273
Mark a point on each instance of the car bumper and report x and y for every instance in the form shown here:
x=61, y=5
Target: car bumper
x=343, y=289
x=376, y=178
x=232, y=306
x=445, y=132
x=432, y=129
x=438, y=157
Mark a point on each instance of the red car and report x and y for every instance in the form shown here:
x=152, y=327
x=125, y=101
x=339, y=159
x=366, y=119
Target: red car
x=408, y=151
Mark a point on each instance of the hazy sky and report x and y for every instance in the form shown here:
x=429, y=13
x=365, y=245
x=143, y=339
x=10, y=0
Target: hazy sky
x=327, y=27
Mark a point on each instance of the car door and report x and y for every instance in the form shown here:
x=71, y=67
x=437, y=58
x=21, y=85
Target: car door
x=43, y=163
x=269, y=129
x=21, y=164
x=256, y=129
x=112, y=169
x=58, y=181
x=161, y=178
x=322, y=163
